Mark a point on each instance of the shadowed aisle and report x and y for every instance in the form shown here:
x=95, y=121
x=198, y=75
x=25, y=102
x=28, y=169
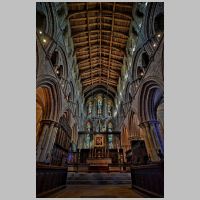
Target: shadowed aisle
x=97, y=191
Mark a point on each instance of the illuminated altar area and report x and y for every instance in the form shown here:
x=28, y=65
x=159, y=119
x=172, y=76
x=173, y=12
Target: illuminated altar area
x=101, y=150
x=99, y=144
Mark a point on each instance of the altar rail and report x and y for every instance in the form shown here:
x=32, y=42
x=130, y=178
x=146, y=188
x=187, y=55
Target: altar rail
x=49, y=178
x=149, y=178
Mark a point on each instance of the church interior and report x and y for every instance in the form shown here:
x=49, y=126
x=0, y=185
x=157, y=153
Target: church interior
x=100, y=99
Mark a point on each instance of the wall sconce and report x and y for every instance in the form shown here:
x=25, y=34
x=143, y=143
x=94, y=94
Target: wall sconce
x=44, y=40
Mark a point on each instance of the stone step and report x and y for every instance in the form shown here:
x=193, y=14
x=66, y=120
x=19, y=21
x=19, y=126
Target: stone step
x=98, y=175
x=98, y=178
x=98, y=182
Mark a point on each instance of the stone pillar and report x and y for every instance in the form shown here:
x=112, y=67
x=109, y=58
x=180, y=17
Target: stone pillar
x=41, y=141
x=150, y=141
x=157, y=135
x=51, y=144
x=43, y=156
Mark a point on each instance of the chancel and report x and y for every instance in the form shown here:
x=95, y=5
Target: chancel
x=99, y=99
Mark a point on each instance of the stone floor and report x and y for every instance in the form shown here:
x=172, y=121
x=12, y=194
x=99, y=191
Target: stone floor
x=97, y=191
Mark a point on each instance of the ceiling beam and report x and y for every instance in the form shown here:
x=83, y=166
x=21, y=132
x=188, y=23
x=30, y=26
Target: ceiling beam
x=96, y=11
x=95, y=53
x=103, y=31
x=95, y=24
x=96, y=40
x=97, y=69
x=101, y=17
x=80, y=49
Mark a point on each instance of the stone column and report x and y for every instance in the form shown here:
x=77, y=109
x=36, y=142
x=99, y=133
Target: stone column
x=157, y=134
x=47, y=141
x=149, y=141
x=51, y=144
x=41, y=141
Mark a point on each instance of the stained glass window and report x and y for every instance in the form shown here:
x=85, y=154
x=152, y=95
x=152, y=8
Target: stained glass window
x=110, y=127
x=110, y=141
x=88, y=126
x=98, y=126
x=109, y=108
x=90, y=108
x=99, y=106
x=87, y=141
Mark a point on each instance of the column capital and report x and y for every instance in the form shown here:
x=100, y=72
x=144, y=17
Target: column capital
x=148, y=123
x=154, y=122
x=49, y=122
x=144, y=124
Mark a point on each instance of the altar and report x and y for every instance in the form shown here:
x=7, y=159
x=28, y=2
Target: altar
x=99, y=161
x=99, y=150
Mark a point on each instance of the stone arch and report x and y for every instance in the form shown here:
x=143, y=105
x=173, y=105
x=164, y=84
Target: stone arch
x=43, y=104
x=141, y=63
x=149, y=95
x=42, y=17
x=59, y=61
x=154, y=19
x=46, y=22
x=53, y=87
x=41, y=21
x=37, y=57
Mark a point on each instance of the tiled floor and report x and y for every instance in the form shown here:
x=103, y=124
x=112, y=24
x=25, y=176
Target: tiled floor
x=97, y=191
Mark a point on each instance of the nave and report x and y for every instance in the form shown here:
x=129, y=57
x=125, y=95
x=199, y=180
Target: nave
x=100, y=99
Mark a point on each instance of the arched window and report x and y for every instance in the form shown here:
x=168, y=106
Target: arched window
x=110, y=141
x=88, y=126
x=89, y=108
x=87, y=141
x=99, y=106
x=109, y=108
x=110, y=127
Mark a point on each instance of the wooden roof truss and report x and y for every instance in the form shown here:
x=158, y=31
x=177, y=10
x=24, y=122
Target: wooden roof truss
x=100, y=32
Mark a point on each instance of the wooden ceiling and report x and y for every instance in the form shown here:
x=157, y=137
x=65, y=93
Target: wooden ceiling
x=100, y=32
